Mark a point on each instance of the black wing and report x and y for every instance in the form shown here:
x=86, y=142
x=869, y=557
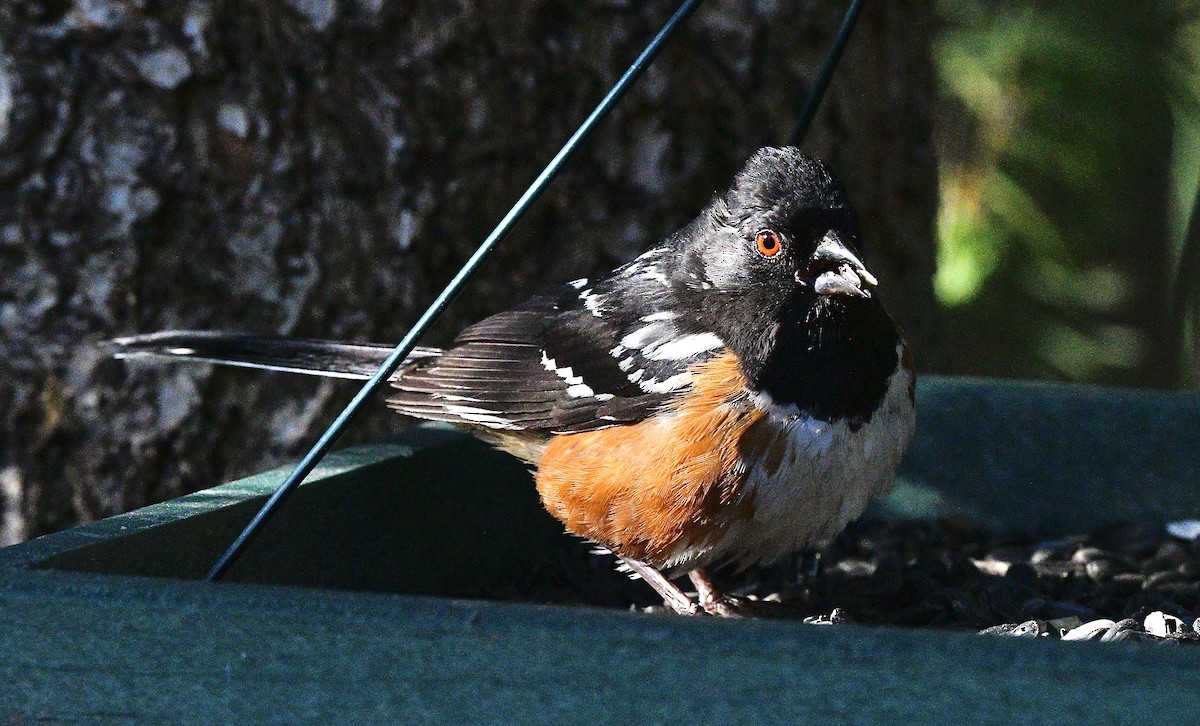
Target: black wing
x=590, y=357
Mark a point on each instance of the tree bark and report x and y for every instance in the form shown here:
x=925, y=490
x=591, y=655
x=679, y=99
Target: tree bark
x=321, y=168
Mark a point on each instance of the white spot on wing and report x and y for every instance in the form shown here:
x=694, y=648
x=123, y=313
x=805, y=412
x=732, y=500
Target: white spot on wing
x=576, y=388
x=647, y=335
x=580, y=390
x=653, y=385
x=569, y=376
x=481, y=416
x=659, y=316
x=593, y=302
x=578, y=284
x=684, y=347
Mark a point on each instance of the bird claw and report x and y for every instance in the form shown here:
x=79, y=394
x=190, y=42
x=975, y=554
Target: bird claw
x=713, y=601
x=723, y=606
x=680, y=608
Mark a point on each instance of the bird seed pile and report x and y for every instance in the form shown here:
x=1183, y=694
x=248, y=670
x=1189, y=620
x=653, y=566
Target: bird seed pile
x=1130, y=582
x=1134, y=581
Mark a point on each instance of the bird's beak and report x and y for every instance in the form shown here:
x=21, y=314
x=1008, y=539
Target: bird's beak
x=834, y=269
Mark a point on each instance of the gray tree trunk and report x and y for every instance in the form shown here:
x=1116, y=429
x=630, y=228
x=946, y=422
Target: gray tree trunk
x=321, y=167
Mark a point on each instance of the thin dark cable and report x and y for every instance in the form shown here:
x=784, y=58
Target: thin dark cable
x=815, y=96
x=331, y=435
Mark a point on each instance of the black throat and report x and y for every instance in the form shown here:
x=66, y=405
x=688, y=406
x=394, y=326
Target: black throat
x=832, y=359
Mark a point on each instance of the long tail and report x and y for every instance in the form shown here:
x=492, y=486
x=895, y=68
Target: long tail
x=309, y=357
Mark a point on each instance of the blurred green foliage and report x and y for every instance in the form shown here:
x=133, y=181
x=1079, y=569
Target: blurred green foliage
x=1069, y=135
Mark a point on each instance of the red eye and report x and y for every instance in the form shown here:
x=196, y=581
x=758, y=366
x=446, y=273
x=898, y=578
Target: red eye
x=768, y=243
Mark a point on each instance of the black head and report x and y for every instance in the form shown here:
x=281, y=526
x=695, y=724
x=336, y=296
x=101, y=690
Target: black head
x=772, y=266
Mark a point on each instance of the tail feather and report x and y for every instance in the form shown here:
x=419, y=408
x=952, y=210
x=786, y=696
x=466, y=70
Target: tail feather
x=309, y=357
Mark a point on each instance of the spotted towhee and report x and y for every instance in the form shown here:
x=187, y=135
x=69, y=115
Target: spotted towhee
x=733, y=395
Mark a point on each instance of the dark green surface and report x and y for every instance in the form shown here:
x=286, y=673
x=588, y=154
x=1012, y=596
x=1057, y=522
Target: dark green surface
x=1050, y=458
x=112, y=650
x=439, y=513
x=436, y=512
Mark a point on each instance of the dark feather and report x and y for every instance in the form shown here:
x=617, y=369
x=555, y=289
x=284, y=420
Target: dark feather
x=310, y=357
x=551, y=365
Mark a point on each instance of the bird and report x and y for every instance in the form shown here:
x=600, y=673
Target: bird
x=734, y=395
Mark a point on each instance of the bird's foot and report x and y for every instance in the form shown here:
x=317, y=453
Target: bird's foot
x=709, y=600
x=713, y=601
x=674, y=598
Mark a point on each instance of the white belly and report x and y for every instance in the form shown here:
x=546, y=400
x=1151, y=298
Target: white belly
x=827, y=475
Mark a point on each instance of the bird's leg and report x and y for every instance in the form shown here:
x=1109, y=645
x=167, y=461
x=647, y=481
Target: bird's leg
x=711, y=599
x=671, y=595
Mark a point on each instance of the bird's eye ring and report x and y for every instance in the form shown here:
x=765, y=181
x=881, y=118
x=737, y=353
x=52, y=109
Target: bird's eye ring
x=768, y=243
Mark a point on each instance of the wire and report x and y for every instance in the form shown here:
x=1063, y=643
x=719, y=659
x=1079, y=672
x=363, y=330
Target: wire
x=405, y=346
x=335, y=430
x=817, y=94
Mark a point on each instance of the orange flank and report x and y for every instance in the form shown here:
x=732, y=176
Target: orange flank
x=655, y=489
